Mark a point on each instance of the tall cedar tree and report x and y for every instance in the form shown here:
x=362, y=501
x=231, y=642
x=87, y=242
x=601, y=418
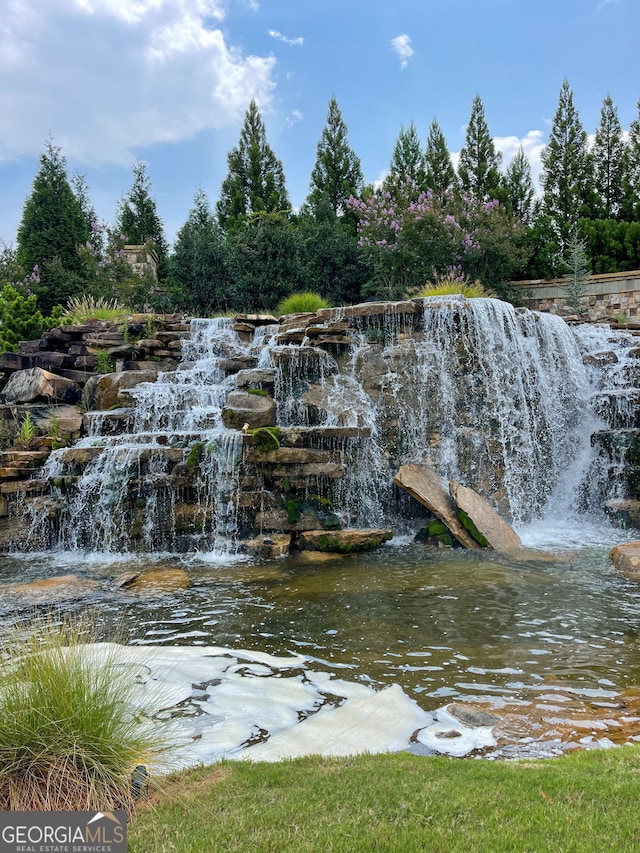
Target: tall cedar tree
x=199, y=262
x=630, y=201
x=479, y=164
x=137, y=217
x=440, y=176
x=518, y=186
x=575, y=279
x=255, y=182
x=337, y=173
x=608, y=161
x=407, y=160
x=52, y=227
x=567, y=171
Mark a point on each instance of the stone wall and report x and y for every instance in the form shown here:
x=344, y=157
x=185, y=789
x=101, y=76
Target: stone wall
x=607, y=296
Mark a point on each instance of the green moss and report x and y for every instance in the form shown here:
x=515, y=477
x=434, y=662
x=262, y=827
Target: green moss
x=436, y=529
x=258, y=392
x=195, y=454
x=473, y=530
x=321, y=508
x=267, y=438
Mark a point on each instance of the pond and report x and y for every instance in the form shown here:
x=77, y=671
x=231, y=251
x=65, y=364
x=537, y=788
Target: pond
x=549, y=644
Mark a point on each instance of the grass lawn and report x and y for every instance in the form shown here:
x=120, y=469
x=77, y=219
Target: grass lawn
x=587, y=801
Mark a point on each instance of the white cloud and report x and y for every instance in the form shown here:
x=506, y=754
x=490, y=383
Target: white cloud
x=293, y=118
x=401, y=45
x=298, y=41
x=604, y=3
x=106, y=77
x=533, y=144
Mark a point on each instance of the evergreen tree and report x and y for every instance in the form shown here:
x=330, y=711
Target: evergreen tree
x=608, y=151
x=52, y=227
x=337, y=173
x=440, y=176
x=518, y=186
x=479, y=165
x=575, y=279
x=255, y=181
x=80, y=189
x=567, y=173
x=630, y=200
x=199, y=263
x=407, y=160
x=137, y=217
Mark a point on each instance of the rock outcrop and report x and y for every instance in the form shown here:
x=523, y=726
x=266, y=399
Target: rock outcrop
x=498, y=534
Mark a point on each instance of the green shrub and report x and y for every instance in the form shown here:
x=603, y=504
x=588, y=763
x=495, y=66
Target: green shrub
x=68, y=738
x=20, y=320
x=302, y=303
x=104, y=362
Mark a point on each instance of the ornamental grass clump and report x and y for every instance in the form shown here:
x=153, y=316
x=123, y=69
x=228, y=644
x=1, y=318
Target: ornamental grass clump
x=302, y=303
x=69, y=739
x=449, y=286
x=82, y=308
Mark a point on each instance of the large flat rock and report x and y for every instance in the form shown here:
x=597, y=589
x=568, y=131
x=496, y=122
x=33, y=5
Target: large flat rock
x=424, y=484
x=500, y=535
x=343, y=541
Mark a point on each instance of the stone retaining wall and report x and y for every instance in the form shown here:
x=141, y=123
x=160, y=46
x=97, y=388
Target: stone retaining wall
x=607, y=296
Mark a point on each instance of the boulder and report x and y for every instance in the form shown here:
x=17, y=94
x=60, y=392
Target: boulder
x=343, y=541
x=424, y=484
x=258, y=377
x=499, y=535
x=49, y=590
x=270, y=547
x=110, y=390
x=25, y=386
x=626, y=558
x=243, y=408
x=68, y=419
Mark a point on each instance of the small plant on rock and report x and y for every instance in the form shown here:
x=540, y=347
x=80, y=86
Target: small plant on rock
x=27, y=433
x=302, y=303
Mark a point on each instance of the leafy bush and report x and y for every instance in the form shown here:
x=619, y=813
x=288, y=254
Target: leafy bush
x=68, y=739
x=82, y=308
x=20, y=320
x=302, y=303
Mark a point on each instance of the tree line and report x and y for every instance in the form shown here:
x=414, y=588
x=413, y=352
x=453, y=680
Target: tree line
x=349, y=241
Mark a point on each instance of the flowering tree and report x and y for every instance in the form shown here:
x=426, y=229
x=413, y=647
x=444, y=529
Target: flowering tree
x=408, y=236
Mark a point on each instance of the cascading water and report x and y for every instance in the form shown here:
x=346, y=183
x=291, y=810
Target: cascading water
x=496, y=397
x=132, y=488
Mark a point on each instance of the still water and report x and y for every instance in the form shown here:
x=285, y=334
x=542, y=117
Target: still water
x=551, y=638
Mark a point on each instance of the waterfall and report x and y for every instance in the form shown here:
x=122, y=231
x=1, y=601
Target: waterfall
x=515, y=404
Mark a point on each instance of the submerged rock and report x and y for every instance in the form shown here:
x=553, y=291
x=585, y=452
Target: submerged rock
x=343, y=541
x=50, y=590
x=626, y=558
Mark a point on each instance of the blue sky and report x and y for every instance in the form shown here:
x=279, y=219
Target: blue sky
x=169, y=81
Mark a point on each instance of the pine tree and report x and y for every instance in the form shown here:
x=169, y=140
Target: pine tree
x=608, y=151
x=199, y=263
x=52, y=227
x=630, y=200
x=407, y=160
x=137, y=217
x=479, y=164
x=440, y=176
x=567, y=174
x=80, y=189
x=337, y=173
x=255, y=181
x=518, y=186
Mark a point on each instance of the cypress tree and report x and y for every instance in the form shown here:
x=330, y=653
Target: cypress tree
x=337, y=173
x=518, y=186
x=255, y=180
x=567, y=173
x=199, y=263
x=630, y=199
x=479, y=165
x=608, y=151
x=137, y=217
x=440, y=176
x=407, y=161
x=52, y=227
